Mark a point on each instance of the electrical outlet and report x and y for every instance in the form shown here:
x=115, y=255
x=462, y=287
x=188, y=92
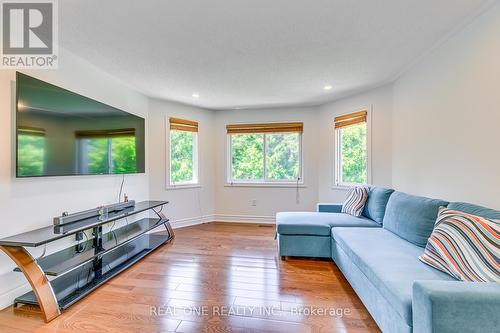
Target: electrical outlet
x=254, y=203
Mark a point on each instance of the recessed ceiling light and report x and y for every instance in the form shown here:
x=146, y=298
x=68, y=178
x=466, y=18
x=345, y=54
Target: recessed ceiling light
x=327, y=87
x=195, y=95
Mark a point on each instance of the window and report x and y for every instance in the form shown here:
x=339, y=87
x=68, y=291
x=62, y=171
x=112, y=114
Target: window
x=107, y=151
x=265, y=153
x=351, y=153
x=30, y=152
x=183, y=152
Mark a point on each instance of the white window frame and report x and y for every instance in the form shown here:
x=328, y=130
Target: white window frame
x=195, y=182
x=337, y=159
x=264, y=182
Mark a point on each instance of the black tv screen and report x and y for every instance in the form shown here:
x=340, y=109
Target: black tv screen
x=61, y=133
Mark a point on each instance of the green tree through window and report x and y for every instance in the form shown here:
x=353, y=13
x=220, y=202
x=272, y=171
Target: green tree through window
x=265, y=157
x=30, y=154
x=352, y=157
x=97, y=156
x=247, y=156
x=282, y=156
x=123, y=154
x=182, y=157
x=121, y=149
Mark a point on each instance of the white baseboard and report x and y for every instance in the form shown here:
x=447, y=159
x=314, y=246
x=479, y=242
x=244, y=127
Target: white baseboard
x=7, y=298
x=181, y=223
x=226, y=218
x=245, y=219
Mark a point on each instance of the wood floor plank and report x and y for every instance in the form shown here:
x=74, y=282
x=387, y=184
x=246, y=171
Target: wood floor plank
x=215, y=277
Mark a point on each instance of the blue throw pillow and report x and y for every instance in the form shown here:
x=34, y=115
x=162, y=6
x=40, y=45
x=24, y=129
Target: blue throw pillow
x=412, y=217
x=376, y=203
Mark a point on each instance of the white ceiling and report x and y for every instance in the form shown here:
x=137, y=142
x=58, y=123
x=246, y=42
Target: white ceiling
x=257, y=53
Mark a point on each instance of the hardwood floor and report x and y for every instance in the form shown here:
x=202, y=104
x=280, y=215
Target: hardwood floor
x=215, y=277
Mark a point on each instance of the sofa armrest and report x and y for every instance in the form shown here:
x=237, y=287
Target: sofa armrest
x=329, y=207
x=455, y=306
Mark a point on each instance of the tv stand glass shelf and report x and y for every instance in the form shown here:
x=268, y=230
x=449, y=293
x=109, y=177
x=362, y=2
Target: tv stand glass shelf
x=78, y=270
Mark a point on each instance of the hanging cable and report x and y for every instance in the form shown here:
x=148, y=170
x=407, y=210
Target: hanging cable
x=199, y=205
x=121, y=189
x=297, y=192
x=86, y=242
x=43, y=253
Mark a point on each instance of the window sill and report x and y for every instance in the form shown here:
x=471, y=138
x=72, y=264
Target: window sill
x=182, y=186
x=341, y=187
x=273, y=185
x=346, y=187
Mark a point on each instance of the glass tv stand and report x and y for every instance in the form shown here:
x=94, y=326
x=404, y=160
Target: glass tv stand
x=60, y=279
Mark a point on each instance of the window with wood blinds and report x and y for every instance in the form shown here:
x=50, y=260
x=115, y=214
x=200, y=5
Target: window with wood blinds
x=351, y=152
x=265, y=153
x=183, y=152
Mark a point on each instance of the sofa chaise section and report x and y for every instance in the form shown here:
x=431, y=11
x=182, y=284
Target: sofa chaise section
x=308, y=234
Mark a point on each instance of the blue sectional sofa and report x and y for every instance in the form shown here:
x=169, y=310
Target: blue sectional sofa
x=378, y=254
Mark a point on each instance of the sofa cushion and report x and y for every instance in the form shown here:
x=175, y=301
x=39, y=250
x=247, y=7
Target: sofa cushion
x=412, y=217
x=376, y=203
x=320, y=224
x=475, y=210
x=390, y=263
x=465, y=246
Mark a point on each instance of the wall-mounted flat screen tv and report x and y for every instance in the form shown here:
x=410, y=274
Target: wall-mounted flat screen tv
x=61, y=133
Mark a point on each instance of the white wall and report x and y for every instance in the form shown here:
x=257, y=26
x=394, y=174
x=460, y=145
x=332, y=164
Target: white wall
x=27, y=204
x=447, y=118
x=233, y=203
x=378, y=102
x=187, y=205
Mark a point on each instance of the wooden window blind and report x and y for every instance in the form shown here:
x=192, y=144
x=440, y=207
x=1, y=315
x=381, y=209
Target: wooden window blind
x=350, y=119
x=265, y=128
x=106, y=133
x=183, y=125
x=31, y=131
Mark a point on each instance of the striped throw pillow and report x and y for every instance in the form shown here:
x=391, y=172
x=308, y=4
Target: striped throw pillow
x=355, y=201
x=465, y=246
